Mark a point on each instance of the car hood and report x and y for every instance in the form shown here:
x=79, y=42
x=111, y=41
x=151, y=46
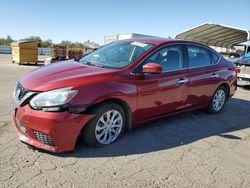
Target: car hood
x=64, y=74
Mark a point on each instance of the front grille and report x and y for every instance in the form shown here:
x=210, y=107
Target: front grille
x=22, y=95
x=44, y=138
x=20, y=91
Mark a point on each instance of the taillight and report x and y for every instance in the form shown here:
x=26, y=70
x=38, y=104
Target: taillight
x=236, y=69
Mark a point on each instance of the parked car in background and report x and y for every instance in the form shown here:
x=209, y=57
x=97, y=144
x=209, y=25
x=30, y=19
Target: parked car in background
x=118, y=87
x=244, y=70
x=234, y=57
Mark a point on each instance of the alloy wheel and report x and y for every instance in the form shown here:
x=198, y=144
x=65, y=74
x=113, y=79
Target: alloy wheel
x=108, y=127
x=219, y=100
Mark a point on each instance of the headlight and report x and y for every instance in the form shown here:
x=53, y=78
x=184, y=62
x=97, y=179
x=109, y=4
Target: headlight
x=53, y=98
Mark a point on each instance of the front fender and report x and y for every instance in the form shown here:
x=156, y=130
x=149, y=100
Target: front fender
x=89, y=95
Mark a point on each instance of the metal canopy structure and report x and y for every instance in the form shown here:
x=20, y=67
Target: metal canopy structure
x=216, y=35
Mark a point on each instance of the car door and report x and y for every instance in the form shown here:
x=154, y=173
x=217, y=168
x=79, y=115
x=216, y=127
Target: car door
x=159, y=94
x=203, y=75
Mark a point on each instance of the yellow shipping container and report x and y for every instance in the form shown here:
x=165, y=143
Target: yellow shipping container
x=24, y=52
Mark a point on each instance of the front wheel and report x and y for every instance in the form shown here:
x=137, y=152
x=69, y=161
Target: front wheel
x=218, y=100
x=106, y=127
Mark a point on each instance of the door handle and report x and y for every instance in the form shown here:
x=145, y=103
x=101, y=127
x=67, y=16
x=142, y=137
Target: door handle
x=214, y=75
x=182, y=81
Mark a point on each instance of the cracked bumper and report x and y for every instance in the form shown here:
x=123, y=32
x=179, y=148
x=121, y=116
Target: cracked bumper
x=62, y=127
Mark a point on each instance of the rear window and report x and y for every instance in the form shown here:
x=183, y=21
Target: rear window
x=198, y=56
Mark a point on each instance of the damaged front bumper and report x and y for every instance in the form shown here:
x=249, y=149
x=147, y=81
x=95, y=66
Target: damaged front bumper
x=52, y=131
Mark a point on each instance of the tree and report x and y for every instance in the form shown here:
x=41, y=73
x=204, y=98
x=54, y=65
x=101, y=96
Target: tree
x=9, y=40
x=34, y=38
x=70, y=44
x=6, y=41
x=41, y=43
x=46, y=43
x=66, y=43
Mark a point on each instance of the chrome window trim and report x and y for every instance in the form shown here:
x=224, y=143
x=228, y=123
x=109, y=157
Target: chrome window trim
x=185, y=68
x=202, y=66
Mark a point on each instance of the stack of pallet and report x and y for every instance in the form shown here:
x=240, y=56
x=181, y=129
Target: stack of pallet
x=75, y=53
x=24, y=52
x=58, y=52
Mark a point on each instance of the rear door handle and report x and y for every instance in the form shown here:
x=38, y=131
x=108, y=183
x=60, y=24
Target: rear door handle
x=214, y=75
x=182, y=81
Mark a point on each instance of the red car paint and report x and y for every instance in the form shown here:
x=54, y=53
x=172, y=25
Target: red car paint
x=146, y=96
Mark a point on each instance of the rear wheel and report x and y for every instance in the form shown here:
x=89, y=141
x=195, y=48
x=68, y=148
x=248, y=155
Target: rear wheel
x=218, y=100
x=107, y=126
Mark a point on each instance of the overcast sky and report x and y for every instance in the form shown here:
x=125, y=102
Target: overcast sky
x=80, y=20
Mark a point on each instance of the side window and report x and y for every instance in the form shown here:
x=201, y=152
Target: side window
x=170, y=58
x=198, y=56
x=215, y=58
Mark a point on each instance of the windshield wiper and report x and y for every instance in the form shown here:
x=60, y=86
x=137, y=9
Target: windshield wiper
x=94, y=64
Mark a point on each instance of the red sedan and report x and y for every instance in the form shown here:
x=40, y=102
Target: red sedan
x=118, y=87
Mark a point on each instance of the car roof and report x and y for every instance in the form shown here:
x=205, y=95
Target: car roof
x=158, y=40
x=163, y=41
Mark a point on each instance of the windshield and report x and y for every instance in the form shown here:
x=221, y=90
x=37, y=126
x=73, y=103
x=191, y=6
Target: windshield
x=116, y=55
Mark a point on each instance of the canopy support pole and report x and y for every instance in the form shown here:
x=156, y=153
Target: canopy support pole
x=248, y=39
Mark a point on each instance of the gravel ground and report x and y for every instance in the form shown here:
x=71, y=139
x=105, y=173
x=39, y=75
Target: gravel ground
x=186, y=150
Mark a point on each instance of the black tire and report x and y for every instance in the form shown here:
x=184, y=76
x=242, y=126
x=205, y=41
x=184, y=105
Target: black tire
x=88, y=134
x=211, y=109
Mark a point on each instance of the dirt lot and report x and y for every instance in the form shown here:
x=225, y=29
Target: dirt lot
x=187, y=150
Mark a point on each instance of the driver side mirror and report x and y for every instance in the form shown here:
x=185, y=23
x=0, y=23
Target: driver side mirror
x=152, y=68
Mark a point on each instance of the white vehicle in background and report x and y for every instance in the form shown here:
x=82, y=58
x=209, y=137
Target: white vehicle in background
x=244, y=70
